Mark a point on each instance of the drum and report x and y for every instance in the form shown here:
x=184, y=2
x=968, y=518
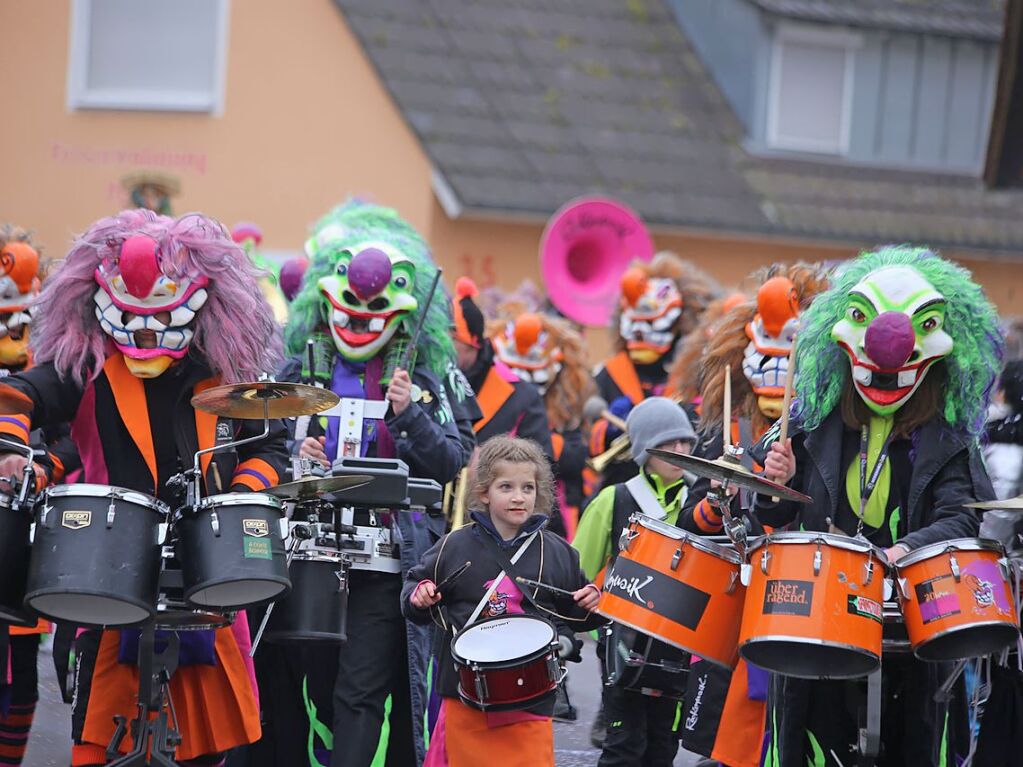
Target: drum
x=956, y=599
x=96, y=555
x=506, y=663
x=173, y=613
x=231, y=551
x=15, y=548
x=814, y=607
x=677, y=587
x=635, y=661
x=316, y=609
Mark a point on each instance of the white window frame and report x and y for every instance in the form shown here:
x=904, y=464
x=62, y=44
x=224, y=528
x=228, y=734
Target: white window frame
x=80, y=96
x=811, y=35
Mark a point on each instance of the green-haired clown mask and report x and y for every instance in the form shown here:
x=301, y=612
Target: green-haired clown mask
x=893, y=332
x=367, y=297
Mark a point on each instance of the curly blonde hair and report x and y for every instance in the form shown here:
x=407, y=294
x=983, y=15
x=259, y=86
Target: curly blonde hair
x=504, y=448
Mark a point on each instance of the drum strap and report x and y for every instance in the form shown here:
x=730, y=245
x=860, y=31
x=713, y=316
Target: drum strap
x=644, y=497
x=508, y=565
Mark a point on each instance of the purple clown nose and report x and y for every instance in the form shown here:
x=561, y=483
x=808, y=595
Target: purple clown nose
x=369, y=272
x=890, y=340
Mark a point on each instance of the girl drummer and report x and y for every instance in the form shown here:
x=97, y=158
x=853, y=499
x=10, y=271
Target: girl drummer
x=512, y=495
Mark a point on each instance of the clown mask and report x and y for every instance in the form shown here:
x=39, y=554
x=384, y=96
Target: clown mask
x=771, y=333
x=19, y=284
x=650, y=308
x=145, y=312
x=892, y=332
x=529, y=350
x=368, y=296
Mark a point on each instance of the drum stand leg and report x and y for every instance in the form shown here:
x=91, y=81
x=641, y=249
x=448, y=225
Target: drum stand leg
x=154, y=729
x=869, y=745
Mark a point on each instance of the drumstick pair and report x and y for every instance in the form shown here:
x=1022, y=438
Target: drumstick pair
x=542, y=585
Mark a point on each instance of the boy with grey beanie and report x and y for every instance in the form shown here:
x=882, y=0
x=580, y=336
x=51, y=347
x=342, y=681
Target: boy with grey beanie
x=640, y=724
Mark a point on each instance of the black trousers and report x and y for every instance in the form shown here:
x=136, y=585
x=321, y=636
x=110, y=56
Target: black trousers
x=372, y=665
x=639, y=730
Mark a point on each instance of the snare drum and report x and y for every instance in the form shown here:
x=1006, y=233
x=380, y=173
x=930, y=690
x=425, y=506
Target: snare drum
x=316, y=610
x=15, y=550
x=677, y=587
x=506, y=663
x=96, y=555
x=231, y=551
x=956, y=599
x=814, y=608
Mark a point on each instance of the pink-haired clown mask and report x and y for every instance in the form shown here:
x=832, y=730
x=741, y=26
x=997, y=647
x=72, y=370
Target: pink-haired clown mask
x=146, y=313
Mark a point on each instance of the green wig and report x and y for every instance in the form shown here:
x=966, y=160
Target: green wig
x=970, y=319
x=351, y=223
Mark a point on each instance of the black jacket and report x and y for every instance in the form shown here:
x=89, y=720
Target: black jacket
x=948, y=471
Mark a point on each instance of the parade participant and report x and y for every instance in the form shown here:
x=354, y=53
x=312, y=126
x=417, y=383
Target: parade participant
x=640, y=727
x=661, y=302
x=896, y=363
x=250, y=237
x=366, y=285
x=509, y=404
x=546, y=352
x=512, y=491
x=752, y=341
x=145, y=312
x=685, y=374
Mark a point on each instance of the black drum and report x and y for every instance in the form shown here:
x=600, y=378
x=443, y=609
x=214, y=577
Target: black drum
x=173, y=613
x=317, y=607
x=96, y=555
x=635, y=661
x=231, y=551
x=15, y=549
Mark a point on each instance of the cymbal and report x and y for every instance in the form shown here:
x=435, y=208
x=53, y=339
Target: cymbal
x=725, y=470
x=1008, y=504
x=307, y=488
x=245, y=400
x=13, y=402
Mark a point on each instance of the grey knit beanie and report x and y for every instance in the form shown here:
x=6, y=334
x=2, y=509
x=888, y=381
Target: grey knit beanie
x=653, y=422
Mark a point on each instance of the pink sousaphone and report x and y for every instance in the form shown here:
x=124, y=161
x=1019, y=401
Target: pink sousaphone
x=585, y=248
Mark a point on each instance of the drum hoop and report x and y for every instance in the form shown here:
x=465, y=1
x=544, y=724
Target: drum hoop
x=955, y=544
x=678, y=534
x=106, y=491
x=960, y=628
x=817, y=643
x=835, y=541
x=240, y=499
x=538, y=653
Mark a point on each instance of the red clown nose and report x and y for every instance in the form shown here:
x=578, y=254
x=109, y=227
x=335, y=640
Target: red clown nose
x=890, y=340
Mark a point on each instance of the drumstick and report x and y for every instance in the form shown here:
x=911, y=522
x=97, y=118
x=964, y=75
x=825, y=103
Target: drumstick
x=726, y=431
x=542, y=585
x=786, y=402
x=453, y=577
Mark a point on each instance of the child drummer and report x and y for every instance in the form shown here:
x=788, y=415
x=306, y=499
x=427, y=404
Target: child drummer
x=640, y=729
x=512, y=487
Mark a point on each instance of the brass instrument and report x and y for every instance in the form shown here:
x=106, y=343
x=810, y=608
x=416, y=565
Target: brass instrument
x=619, y=450
x=455, y=494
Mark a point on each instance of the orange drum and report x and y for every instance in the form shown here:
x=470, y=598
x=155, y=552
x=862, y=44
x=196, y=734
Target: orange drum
x=676, y=587
x=956, y=599
x=814, y=607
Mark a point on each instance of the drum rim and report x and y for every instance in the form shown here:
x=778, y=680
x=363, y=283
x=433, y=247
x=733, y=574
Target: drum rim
x=954, y=544
x=539, y=652
x=678, y=534
x=817, y=643
x=52, y=590
x=122, y=493
x=240, y=499
x=202, y=585
x=957, y=629
x=808, y=536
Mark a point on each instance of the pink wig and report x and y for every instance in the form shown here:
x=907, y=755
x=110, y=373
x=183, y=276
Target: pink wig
x=235, y=332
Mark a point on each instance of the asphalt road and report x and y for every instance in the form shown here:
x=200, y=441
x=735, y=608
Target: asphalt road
x=49, y=744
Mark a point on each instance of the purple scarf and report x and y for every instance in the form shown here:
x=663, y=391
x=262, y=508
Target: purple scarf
x=358, y=380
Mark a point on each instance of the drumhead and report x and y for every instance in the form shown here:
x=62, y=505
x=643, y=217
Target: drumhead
x=237, y=593
x=503, y=639
x=830, y=539
x=89, y=609
x=956, y=544
x=82, y=490
x=240, y=499
x=700, y=542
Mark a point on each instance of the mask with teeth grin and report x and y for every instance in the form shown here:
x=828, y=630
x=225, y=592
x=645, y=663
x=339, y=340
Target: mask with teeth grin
x=367, y=297
x=19, y=284
x=529, y=350
x=650, y=309
x=146, y=313
x=771, y=332
x=892, y=332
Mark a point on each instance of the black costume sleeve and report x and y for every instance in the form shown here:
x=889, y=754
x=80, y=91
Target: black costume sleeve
x=1008, y=430
x=961, y=480
x=780, y=513
x=55, y=399
x=273, y=449
x=427, y=569
x=425, y=433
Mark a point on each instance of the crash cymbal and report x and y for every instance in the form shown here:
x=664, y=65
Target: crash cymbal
x=307, y=488
x=245, y=400
x=13, y=402
x=1008, y=504
x=726, y=470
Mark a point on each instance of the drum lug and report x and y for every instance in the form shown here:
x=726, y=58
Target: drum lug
x=676, y=558
x=732, y=580
x=1003, y=566
x=901, y=587
x=764, y=559
x=868, y=569
x=481, y=685
x=554, y=668
x=45, y=513
x=954, y=564
x=627, y=536
x=215, y=523
x=817, y=557
x=111, y=513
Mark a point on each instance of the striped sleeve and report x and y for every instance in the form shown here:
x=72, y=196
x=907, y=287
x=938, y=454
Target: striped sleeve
x=707, y=518
x=16, y=426
x=255, y=474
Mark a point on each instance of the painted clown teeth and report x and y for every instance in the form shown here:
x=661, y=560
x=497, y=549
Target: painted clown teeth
x=907, y=378
x=376, y=325
x=862, y=375
x=341, y=319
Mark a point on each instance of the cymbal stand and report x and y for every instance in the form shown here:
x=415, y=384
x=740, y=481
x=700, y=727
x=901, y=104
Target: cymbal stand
x=719, y=499
x=299, y=533
x=154, y=730
x=28, y=478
